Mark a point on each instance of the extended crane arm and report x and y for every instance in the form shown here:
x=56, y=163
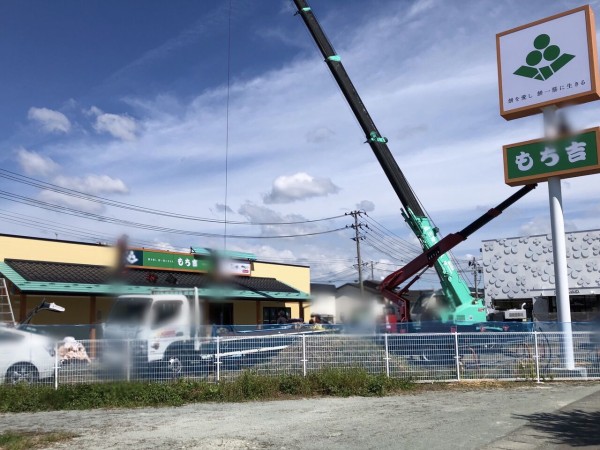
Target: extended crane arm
x=374, y=139
x=427, y=259
x=461, y=305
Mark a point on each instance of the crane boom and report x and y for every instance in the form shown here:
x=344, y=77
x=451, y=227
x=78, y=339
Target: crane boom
x=374, y=139
x=462, y=307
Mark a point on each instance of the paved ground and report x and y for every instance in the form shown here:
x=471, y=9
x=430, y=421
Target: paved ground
x=517, y=418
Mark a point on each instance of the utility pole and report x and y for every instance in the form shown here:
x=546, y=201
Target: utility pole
x=476, y=268
x=357, y=238
x=372, y=271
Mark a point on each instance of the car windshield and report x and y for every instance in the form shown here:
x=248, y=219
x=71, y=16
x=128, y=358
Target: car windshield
x=129, y=310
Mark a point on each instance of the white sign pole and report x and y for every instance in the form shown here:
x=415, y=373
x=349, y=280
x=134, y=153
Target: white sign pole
x=559, y=249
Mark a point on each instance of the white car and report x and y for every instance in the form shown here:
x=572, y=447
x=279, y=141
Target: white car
x=25, y=357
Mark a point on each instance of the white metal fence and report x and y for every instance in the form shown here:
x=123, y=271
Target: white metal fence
x=535, y=356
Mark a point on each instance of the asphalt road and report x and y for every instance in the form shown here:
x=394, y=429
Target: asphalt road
x=543, y=416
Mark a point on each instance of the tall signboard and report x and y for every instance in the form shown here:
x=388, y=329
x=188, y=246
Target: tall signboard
x=542, y=66
x=548, y=62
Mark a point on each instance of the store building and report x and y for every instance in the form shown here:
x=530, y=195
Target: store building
x=85, y=278
x=520, y=270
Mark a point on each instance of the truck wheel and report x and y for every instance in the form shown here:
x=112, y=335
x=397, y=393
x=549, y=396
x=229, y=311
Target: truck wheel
x=174, y=365
x=22, y=373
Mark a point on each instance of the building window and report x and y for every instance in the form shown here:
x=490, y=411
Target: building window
x=220, y=313
x=270, y=313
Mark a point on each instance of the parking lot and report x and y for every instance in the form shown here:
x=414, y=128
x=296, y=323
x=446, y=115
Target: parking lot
x=467, y=417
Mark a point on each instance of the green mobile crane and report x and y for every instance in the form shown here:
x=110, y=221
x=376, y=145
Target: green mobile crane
x=462, y=307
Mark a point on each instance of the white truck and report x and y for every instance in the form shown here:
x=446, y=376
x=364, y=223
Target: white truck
x=163, y=334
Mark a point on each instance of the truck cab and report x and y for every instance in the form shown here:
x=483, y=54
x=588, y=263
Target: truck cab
x=152, y=321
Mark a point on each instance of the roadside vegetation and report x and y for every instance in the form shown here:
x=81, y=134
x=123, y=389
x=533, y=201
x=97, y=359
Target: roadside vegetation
x=249, y=386
x=246, y=387
x=25, y=440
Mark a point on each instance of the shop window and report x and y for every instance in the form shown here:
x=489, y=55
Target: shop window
x=579, y=303
x=584, y=303
x=220, y=313
x=271, y=313
x=165, y=312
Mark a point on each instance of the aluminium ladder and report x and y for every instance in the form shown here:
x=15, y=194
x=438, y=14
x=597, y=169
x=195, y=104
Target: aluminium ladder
x=6, y=311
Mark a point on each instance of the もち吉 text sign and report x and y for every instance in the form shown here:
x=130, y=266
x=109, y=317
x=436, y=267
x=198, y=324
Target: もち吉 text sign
x=537, y=160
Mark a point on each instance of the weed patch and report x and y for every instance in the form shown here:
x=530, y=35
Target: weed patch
x=21, y=440
x=247, y=387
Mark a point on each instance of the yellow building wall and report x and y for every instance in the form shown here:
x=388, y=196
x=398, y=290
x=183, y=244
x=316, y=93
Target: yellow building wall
x=295, y=307
x=54, y=251
x=294, y=276
x=77, y=310
x=78, y=307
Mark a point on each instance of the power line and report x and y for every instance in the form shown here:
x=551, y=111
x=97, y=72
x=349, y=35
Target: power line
x=92, y=216
x=52, y=226
x=379, y=224
x=13, y=176
x=392, y=238
x=391, y=244
x=376, y=247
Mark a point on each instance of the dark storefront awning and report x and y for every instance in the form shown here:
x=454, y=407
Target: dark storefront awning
x=40, y=276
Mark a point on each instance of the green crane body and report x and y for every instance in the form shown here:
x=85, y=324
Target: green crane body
x=461, y=307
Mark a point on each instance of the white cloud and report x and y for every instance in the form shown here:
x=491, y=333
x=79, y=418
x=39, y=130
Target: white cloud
x=541, y=225
x=93, y=184
x=300, y=186
x=50, y=120
x=366, y=205
x=164, y=246
x=261, y=214
x=70, y=202
x=420, y=6
x=120, y=126
x=35, y=164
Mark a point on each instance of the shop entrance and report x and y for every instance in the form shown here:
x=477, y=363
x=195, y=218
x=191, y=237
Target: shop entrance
x=220, y=313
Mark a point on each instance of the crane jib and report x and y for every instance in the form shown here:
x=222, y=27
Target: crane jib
x=377, y=142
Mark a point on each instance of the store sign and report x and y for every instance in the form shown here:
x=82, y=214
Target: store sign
x=236, y=267
x=537, y=160
x=549, y=62
x=164, y=260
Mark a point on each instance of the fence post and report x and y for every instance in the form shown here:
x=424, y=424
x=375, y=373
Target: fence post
x=56, y=366
x=536, y=356
x=456, y=356
x=387, y=356
x=304, y=355
x=128, y=361
x=218, y=359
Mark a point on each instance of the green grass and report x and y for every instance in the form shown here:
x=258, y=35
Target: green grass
x=248, y=386
x=25, y=440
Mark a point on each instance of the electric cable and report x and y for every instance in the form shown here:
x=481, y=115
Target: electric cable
x=23, y=179
x=92, y=216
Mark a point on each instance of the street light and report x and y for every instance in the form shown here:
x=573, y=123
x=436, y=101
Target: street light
x=41, y=307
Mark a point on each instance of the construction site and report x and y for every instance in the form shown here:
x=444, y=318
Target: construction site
x=212, y=233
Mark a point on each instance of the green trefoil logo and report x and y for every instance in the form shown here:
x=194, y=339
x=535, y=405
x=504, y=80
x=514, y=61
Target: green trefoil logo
x=543, y=53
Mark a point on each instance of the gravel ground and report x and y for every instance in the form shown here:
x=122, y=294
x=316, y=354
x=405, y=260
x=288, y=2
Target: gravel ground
x=466, y=419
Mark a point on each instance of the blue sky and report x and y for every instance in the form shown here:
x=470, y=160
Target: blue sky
x=127, y=100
